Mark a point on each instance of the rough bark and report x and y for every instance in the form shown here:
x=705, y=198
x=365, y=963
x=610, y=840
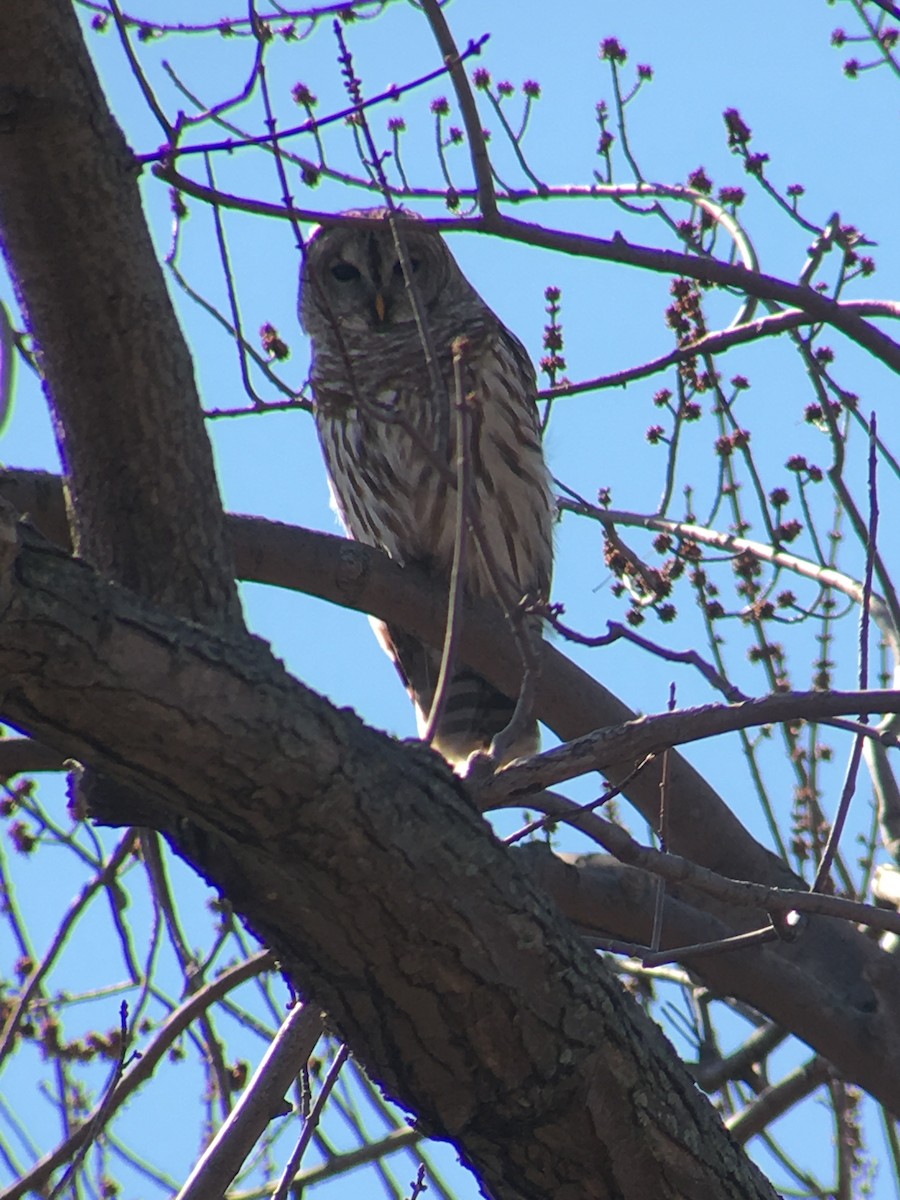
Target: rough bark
x=364, y=863
x=116, y=370
x=833, y=987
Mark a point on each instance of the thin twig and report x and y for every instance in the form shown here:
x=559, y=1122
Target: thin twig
x=293, y=1163
x=263, y=1100
x=777, y=1100
x=225, y=259
x=100, y=1115
x=660, y=900
x=453, y=60
x=615, y=631
x=229, y=145
x=550, y=817
x=778, y=902
x=142, y=1070
x=76, y=910
x=651, y=734
x=462, y=403
x=727, y=945
x=849, y=786
x=711, y=1076
x=138, y=73
x=401, y=1138
x=7, y=365
x=670, y=262
x=827, y=577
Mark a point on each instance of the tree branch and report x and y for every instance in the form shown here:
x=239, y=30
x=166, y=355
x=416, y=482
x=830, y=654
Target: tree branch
x=228, y=750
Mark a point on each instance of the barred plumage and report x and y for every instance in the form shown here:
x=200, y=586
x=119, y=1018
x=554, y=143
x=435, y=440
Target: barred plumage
x=386, y=434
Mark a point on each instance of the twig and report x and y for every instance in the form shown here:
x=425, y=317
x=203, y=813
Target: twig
x=662, y=833
x=778, y=902
x=716, y=342
x=886, y=6
x=263, y=1099
x=462, y=403
x=550, y=817
x=7, y=365
x=142, y=1070
x=398, y=1139
x=212, y=1055
x=651, y=734
x=138, y=73
x=290, y=1170
x=76, y=909
x=775, y=1101
x=423, y=329
x=280, y=12
x=453, y=60
x=827, y=577
x=229, y=145
x=652, y=958
x=758, y=1046
x=842, y=1107
x=100, y=1115
x=224, y=258
x=754, y=283
x=418, y=1185
x=767, y=287
x=739, y=941
x=615, y=631
x=849, y=786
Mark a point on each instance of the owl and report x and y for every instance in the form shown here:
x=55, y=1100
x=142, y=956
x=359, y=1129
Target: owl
x=388, y=436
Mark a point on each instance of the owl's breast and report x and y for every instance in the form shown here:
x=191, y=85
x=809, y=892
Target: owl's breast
x=390, y=448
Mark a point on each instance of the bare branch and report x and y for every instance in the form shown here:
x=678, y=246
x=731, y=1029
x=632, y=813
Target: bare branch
x=140, y=1072
x=776, y=1100
x=481, y=163
x=262, y=1101
x=651, y=734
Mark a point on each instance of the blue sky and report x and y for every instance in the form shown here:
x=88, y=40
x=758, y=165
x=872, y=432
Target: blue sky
x=770, y=60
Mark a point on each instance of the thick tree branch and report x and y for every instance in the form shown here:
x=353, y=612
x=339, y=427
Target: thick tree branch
x=832, y=969
x=656, y=732
x=702, y=827
x=342, y=849
x=117, y=372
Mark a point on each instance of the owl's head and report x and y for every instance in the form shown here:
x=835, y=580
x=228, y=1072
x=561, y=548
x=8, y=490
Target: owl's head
x=352, y=275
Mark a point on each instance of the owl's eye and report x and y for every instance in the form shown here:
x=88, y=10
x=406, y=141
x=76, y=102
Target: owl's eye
x=398, y=267
x=344, y=272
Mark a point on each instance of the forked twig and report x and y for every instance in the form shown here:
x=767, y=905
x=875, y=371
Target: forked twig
x=778, y=902
x=775, y=1101
x=229, y=145
x=141, y=1070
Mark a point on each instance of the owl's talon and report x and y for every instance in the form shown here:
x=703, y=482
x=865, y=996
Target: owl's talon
x=480, y=765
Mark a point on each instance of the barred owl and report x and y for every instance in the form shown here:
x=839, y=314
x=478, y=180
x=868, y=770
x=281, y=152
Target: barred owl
x=388, y=438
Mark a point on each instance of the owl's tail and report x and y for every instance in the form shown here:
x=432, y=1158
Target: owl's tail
x=474, y=712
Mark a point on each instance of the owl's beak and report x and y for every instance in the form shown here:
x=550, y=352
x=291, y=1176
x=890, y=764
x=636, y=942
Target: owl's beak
x=380, y=306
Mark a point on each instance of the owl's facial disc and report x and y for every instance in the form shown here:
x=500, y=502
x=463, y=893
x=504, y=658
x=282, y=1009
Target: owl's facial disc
x=370, y=281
